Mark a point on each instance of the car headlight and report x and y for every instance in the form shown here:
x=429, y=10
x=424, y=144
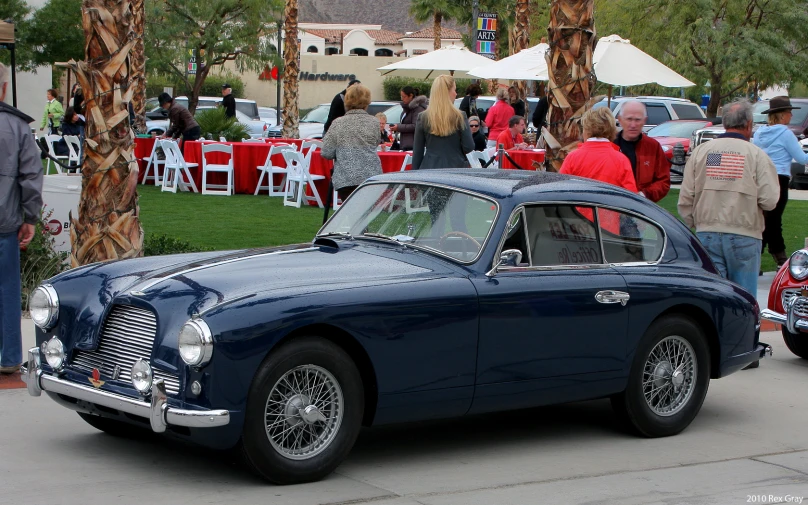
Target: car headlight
x=44, y=306
x=142, y=376
x=54, y=352
x=195, y=343
x=666, y=148
x=798, y=264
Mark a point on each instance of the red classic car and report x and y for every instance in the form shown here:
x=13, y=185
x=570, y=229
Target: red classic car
x=788, y=302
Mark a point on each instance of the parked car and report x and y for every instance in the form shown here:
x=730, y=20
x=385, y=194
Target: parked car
x=256, y=127
x=269, y=115
x=486, y=102
x=247, y=107
x=676, y=131
x=799, y=172
x=311, y=125
x=788, y=302
x=399, y=311
x=659, y=108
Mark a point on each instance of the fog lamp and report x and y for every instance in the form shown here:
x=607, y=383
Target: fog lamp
x=54, y=353
x=142, y=376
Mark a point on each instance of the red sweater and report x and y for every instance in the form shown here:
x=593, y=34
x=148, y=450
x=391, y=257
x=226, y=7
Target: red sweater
x=601, y=161
x=506, y=139
x=497, y=118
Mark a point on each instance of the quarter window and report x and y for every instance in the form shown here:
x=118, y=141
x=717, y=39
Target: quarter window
x=657, y=114
x=629, y=239
x=687, y=111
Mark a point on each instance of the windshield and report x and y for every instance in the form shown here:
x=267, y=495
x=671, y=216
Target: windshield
x=317, y=115
x=682, y=129
x=440, y=220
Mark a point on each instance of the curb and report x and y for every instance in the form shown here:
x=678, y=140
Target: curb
x=11, y=381
x=769, y=326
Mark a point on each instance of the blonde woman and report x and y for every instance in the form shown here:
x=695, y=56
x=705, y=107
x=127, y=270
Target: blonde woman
x=442, y=134
x=351, y=142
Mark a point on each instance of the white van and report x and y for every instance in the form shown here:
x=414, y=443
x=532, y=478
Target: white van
x=247, y=107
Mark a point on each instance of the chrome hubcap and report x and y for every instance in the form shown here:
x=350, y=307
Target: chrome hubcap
x=304, y=412
x=669, y=376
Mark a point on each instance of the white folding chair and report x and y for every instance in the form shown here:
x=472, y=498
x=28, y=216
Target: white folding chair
x=222, y=139
x=337, y=203
x=407, y=162
x=253, y=141
x=176, y=169
x=297, y=177
x=308, y=146
x=269, y=170
x=477, y=158
x=217, y=189
x=74, y=150
x=51, y=140
x=154, y=162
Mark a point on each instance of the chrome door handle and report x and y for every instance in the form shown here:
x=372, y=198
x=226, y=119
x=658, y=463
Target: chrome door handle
x=612, y=297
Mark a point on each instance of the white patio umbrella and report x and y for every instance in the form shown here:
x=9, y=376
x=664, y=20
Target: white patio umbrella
x=453, y=60
x=619, y=63
x=526, y=65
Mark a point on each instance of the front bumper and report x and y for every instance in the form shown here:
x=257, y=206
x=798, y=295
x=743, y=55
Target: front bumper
x=157, y=411
x=790, y=319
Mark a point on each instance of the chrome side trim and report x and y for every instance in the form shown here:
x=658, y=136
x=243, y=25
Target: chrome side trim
x=157, y=411
x=141, y=289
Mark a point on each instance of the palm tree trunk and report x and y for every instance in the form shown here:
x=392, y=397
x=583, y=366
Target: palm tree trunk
x=521, y=40
x=139, y=65
x=572, y=78
x=108, y=226
x=437, y=20
x=291, y=69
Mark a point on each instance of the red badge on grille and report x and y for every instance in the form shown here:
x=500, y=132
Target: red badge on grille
x=95, y=380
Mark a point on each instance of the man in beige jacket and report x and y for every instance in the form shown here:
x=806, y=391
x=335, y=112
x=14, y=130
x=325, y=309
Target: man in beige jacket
x=728, y=183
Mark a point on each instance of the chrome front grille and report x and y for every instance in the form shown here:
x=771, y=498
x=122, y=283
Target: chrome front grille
x=274, y=134
x=127, y=335
x=801, y=307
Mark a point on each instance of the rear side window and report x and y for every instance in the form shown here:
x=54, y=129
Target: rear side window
x=628, y=238
x=249, y=109
x=657, y=114
x=687, y=111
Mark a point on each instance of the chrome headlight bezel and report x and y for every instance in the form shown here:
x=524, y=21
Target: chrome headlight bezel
x=49, y=318
x=142, y=372
x=54, y=352
x=195, y=332
x=798, y=265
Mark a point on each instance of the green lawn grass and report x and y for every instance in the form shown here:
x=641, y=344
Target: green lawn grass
x=244, y=221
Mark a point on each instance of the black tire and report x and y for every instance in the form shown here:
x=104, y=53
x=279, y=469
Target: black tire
x=798, y=344
x=113, y=427
x=259, y=453
x=631, y=405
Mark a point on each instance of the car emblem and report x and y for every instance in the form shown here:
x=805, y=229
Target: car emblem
x=116, y=372
x=804, y=291
x=95, y=380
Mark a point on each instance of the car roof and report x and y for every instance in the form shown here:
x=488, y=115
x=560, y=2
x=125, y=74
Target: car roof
x=643, y=98
x=214, y=98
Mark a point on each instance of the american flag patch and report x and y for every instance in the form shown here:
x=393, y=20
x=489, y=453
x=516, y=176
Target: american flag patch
x=725, y=165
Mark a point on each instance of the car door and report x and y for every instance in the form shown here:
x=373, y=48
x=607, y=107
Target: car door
x=558, y=318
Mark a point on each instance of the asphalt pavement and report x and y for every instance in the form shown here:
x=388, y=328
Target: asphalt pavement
x=747, y=445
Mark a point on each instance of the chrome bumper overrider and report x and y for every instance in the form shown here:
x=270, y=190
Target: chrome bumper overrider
x=790, y=319
x=157, y=411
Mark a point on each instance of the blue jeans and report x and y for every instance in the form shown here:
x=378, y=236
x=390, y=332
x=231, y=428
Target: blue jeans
x=737, y=257
x=10, y=312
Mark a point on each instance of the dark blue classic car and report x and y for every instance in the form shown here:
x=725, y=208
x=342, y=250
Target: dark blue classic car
x=428, y=295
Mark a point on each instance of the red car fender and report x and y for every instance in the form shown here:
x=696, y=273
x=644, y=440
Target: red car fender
x=782, y=280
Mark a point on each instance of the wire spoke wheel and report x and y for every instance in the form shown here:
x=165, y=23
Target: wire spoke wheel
x=303, y=412
x=669, y=376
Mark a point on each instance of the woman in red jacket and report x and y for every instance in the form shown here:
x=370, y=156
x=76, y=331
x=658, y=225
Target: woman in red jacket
x=598, y=158
x=498, y=116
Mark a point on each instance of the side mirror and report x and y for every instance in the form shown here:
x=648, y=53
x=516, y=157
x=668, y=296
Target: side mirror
x=508, y=258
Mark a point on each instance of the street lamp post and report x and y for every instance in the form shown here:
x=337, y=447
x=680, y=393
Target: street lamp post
x=475, y=7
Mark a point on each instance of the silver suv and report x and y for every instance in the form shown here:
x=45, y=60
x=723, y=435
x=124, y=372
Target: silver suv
x=660, y=108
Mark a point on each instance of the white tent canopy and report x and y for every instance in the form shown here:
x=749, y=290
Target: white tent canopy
x=619, y=63
x=454, y=60
x=517, y=67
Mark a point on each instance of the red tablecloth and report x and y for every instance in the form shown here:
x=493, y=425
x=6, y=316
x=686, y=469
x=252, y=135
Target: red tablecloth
x=247, y=156
x=295, y=142
x=143, y=149
x=391, y=162
x=524, y=158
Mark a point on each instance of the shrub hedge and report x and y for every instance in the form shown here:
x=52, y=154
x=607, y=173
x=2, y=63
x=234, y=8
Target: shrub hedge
x=211, y=87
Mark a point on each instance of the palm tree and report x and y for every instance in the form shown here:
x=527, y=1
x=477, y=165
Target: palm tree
x=291, y=69
x=521, y=40
x=572, y=78
x=139, y=65
x=437, y=11
x=108, y=226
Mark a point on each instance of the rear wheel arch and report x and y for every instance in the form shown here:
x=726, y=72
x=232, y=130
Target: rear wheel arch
x=350, y=345
x=703, y=320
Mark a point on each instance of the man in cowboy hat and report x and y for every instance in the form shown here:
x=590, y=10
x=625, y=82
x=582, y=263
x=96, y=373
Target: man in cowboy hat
x=780, y=143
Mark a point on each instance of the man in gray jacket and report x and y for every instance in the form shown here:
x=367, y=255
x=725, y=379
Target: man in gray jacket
x=728, y=183
x=20, y=205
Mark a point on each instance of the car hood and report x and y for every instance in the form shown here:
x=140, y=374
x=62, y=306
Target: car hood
x=672, y=141
x=179, y=287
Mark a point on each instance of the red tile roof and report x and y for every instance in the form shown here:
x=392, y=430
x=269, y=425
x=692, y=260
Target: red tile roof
x=427, y=33
x=382, y=37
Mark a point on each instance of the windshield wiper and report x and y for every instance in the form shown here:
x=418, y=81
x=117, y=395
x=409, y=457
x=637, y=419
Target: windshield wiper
x=381, y=236
x=344, y=234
